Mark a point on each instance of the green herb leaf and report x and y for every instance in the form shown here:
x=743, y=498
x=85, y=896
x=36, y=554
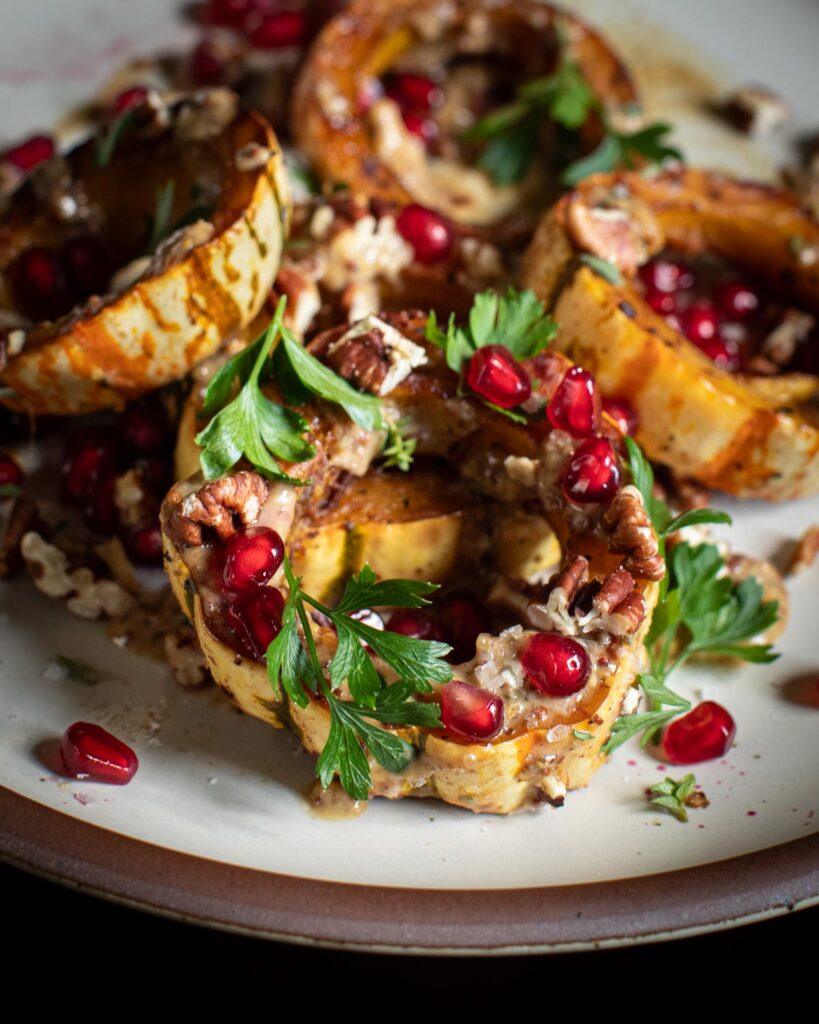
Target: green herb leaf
x=604, y=268
x=78, y=671
x=581, y=734
x=672, y=796
x=106, y=142
x=251, y=425
x=363, y=409
x=161, y=220
x=398, y=450
x=352, y=728
x=696, y=517
x=517, y=320
x=622, y=150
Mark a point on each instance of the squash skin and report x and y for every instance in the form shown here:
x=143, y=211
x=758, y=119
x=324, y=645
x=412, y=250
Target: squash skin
x=734, y=432
x=364, y=41
x=155, y=331
x=518, y=770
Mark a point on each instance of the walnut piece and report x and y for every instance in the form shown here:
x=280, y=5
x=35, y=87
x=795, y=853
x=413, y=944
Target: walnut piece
x=633, y=535
x=805, y=552
x=217, y=505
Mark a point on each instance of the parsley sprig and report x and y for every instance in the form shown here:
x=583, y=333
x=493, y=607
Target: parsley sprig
x=255, y=427
x=672, y=796
x=566, y=99
x=701, y=611
x=517, y=320
x=399, y=448
x=296, y=667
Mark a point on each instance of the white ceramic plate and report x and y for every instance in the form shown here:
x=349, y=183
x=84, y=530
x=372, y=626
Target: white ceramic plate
x=216, y=785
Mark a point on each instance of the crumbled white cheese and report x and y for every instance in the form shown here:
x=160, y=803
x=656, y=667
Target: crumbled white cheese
x=404, y=355
x=631, y=701
x=554, y=788
x=521, y=469
x=322, y=221
x=367, y=249
x=16, y=341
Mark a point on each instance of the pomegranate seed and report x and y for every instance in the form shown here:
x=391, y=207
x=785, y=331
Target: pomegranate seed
x=277, y=31
x=700, y=322
x=144, y=425
x=666, y=276
x=85, y=264
x=723, y=352
x=429, y=234
x=415, y=623
x=575, y=406
x=663, y=303
x=423, y=128
x=415, y=92
x=90, y=752
x=253, y=556
x=206, y=67
x=100, y=512
x=145, y=545
x=230, y=13
x=470, y=712
x=554, y=664
x=494, y=374
x=30, y=153
x=736, y=300
x=256, y=617
x=40, y=282
x=703, y=734
x=91, y=455
x=11, y=475
x=462, y=621
x=593, y=473
x=128, y=99
x=622, y=412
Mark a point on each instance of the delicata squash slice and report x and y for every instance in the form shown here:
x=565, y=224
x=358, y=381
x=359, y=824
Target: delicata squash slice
x=397, y=100
x=129, y=259
x=548, y=562
x=702, y=316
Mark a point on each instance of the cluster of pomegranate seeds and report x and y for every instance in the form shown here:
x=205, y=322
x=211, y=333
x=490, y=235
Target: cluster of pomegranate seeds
x=91, y=455
x=90, y=752
x=622, y=412
x=703, y=734
x=415, y=623
x=40, y=283
x=593, y=472
x=278, y=30
x=708, y=315
x=495, y=374
x=11, y=475
x=429, y=234
x=471, y=713
x=253, y=556
x=144, y=545
x=575, y=405
x=27, y=155
x=255, y=616
x=555, y=665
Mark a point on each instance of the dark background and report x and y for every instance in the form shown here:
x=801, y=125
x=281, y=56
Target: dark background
x=78, y=934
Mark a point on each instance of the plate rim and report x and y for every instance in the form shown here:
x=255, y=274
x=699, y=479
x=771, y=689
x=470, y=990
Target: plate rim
x=341, y=915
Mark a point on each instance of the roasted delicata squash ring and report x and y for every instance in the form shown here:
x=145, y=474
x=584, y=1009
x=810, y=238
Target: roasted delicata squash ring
x=121, y=269
x=351, y=133
x=752, y=434
x=515, y=483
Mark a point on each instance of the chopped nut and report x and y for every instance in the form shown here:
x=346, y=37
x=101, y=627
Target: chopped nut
x=756, y=110
x=374, y=356
x=805, y=552
x=206, y=116
x=616, y=588
x=633, y=535
x=622, y=230
x=252, y=157
x=217, y=505
x=185, y=658
x=696, y=799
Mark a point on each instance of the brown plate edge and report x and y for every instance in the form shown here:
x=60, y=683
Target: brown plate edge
x=674, y=904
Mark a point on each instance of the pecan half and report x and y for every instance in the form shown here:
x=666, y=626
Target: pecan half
x=363, y=360
x=633, y=535
x=217, y=505
x=616, y=587
x=572, y=578
x=805, y=552
x=627, y=616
